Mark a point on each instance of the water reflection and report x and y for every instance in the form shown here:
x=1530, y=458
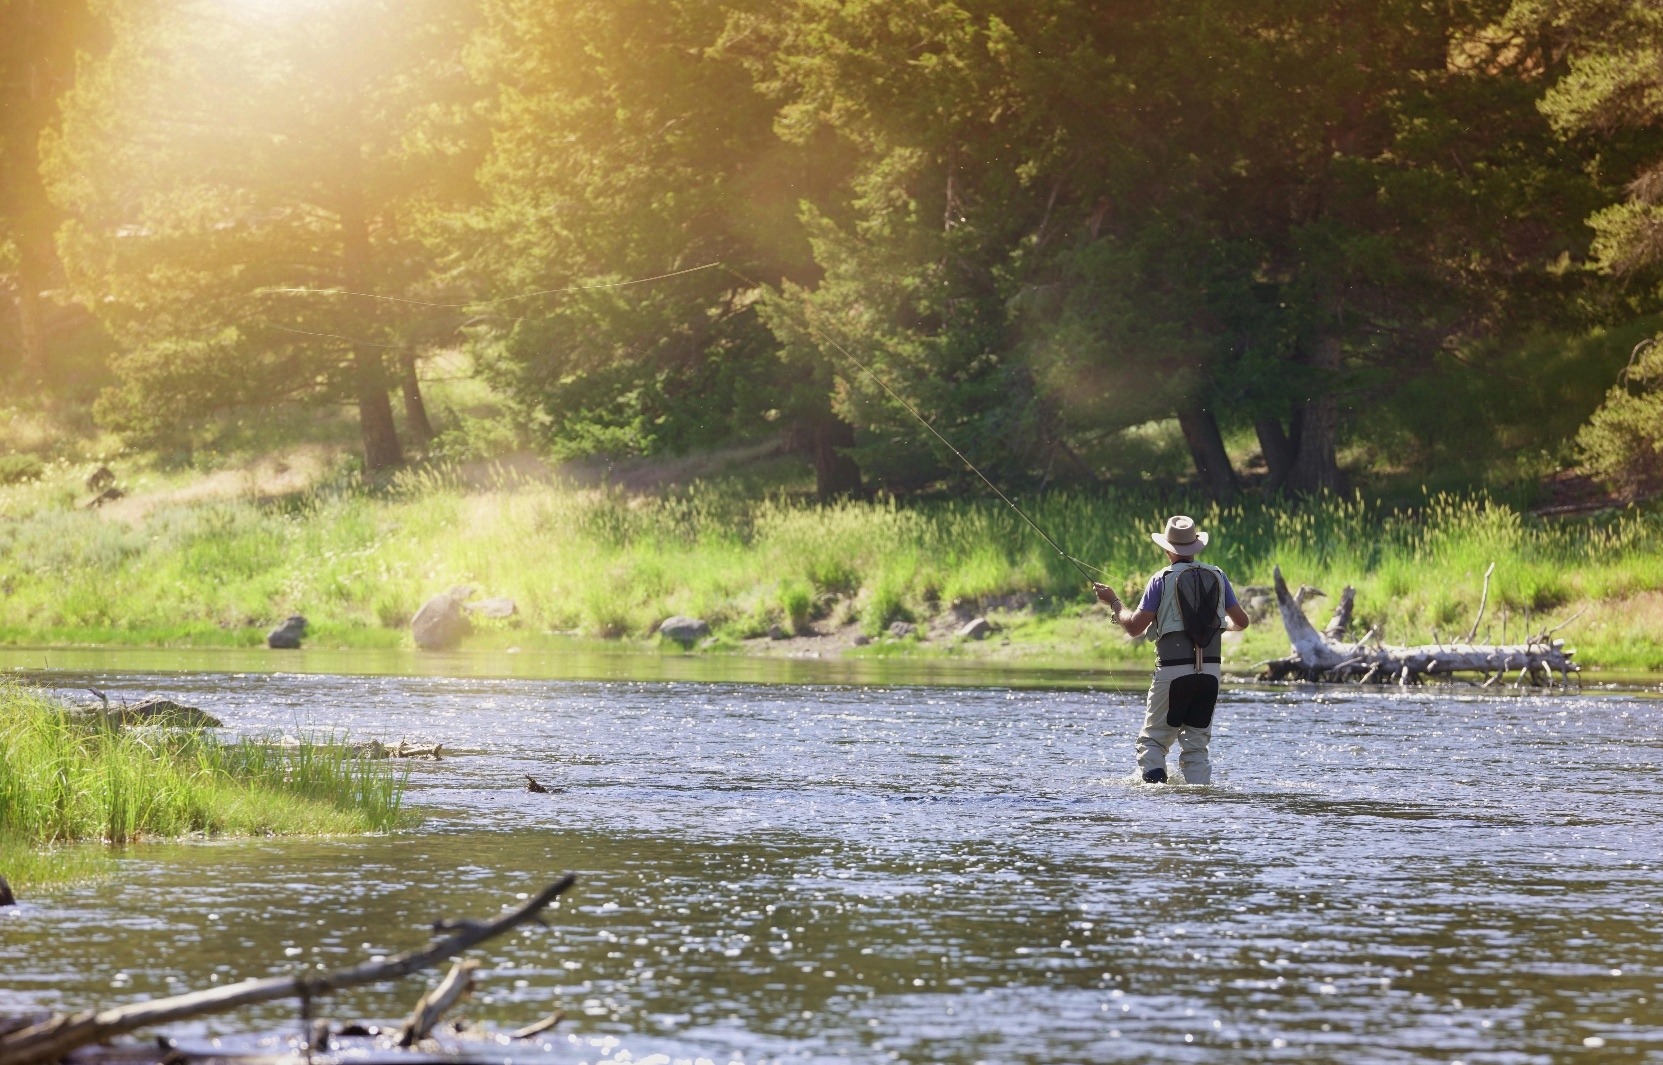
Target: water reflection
x=834, y=873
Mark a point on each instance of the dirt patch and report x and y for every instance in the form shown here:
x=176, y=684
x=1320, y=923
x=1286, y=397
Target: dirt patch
x=270, y=477
x=657, y=474
x=1571, y=492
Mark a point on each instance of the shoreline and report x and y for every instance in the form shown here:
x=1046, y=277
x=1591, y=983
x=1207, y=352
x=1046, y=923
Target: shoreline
x=582, y=661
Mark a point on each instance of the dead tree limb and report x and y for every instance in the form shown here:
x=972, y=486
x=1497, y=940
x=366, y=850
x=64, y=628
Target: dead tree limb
x=50, y=1040
x=540, y=1027
x=436, y=1002
x=1483, y=598
x=1318, y=657
x=1341, y=621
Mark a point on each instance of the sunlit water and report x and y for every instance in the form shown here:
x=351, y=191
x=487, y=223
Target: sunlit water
x=824, y=873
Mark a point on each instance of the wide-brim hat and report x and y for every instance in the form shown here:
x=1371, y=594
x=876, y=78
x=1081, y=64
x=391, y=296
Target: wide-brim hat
x=1180, y=536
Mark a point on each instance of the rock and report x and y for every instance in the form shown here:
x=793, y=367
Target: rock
x=683, y=630
x=6, y=896
x=441, y=623
x=777, y=632
x=976, y=629
x=108, y=495
x=532, y=785
x=861, y=640
x=902, y=629
x=496, y=607
x=166, y=712
x=287, y=636
x=100, y=479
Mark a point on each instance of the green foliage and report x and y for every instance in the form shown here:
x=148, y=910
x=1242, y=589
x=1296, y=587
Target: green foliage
x=621, y=151
x=15, y=469
x=1324, y=228
x=1622, y=444
x=230, y=179
x=796, y=602
x=1611, y=83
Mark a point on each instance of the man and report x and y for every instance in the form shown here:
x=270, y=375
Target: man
x=1190, y=604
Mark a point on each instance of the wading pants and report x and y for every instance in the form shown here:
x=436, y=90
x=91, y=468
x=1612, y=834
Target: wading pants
x=1191, y=726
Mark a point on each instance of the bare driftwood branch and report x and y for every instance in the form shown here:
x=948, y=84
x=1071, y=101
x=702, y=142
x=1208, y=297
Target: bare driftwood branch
x=1483, y=598
x=434, y=1004
x=1317, y=656
x=540, y=1027
x=1341, y=621
x=52, y=1039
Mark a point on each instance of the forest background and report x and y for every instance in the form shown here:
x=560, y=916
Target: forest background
x=1338, y=271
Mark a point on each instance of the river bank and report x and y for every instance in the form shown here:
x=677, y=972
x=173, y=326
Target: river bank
x=183, y=566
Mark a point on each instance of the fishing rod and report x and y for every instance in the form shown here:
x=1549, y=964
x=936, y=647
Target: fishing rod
x=1079, y=566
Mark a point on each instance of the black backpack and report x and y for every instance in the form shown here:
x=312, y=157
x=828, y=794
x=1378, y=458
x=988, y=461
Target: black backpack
x=1199, y=591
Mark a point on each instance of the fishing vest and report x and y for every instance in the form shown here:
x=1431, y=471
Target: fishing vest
x=1172, y=643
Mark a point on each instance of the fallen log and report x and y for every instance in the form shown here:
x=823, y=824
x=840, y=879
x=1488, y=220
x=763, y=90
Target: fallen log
x=49, y=1040
x=1324, y=656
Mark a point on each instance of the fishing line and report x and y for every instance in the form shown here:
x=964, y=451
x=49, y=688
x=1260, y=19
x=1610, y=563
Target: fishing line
x=495, y=302
x=1080, y=566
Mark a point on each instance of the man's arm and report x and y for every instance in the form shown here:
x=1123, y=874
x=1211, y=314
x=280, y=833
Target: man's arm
x=1135, y=622
x=1238, y=619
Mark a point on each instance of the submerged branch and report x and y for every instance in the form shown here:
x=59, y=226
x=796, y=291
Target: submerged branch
x=50, y=1040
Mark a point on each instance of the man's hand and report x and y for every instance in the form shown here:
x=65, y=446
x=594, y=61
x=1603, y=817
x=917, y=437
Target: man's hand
x=1105, y=594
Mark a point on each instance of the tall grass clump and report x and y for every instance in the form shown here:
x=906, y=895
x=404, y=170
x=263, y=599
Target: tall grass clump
x=66, y=776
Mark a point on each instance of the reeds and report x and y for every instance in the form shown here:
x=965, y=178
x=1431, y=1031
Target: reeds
x=67, y=776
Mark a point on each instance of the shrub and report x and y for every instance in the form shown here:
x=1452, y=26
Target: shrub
x=15, y=469
x=1622, y=444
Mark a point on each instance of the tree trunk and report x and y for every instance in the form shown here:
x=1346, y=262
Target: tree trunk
x=30, y=326
x=32, y=220
x=415, y=410
x=835, y=473
x=369, y=375
x=1206, y=446
x=1315, y=469
x=1279, y=451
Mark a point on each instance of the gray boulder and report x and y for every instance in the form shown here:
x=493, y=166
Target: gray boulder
x=158, y=710
x=683, y=630
x=902, y=629
x=862, y=640
x=6, y=897
x=498, y=607
x=777, y=631
x=976, y=629
x=288, y=635
x=441, y=622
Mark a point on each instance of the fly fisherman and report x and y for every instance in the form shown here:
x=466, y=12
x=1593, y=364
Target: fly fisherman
x=1191, y=605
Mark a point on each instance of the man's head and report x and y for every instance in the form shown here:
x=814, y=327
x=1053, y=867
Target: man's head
x=1180, y=539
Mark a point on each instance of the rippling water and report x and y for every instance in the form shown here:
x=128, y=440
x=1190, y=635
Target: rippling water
x=823, y=873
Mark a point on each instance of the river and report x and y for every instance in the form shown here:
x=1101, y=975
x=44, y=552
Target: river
x=830, y=872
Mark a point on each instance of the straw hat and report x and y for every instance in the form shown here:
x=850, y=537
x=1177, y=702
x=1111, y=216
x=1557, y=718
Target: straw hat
x=1181, y=537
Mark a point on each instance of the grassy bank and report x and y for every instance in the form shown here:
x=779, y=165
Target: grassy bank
x=607, y=564
x=67, y=778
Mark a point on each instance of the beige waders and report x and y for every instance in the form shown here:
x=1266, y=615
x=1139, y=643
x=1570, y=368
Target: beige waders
x=1184, y=692
x=1158, y=732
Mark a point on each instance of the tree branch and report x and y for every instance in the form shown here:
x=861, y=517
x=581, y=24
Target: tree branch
x=50, y=1040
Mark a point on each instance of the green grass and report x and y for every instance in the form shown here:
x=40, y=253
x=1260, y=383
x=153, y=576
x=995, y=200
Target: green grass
x=606, y=564
x=67, y=778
